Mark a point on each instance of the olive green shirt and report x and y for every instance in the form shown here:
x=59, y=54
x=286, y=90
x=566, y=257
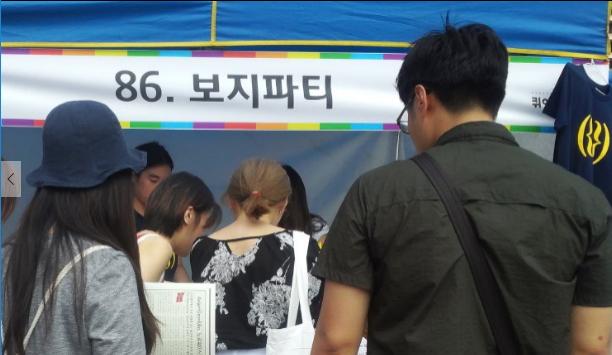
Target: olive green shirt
x=545, y=232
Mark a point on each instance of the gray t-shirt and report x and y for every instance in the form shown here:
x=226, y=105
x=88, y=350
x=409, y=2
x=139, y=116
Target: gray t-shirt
x=112, y=322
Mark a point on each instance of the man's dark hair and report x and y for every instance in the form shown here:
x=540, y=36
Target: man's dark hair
x=463, y=67
x=156, y=155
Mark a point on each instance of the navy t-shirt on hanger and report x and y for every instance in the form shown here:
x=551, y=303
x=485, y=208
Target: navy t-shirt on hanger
x=582, y=110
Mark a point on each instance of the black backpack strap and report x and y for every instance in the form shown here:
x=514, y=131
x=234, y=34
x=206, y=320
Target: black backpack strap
x=486, y=284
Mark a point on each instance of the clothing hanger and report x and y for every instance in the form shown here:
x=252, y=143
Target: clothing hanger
x=595, y=75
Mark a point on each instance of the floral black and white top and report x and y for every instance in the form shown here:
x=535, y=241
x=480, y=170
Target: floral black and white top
x=253, y=289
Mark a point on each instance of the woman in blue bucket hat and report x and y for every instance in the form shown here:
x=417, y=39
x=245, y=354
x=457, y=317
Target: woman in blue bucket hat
x=72, y=281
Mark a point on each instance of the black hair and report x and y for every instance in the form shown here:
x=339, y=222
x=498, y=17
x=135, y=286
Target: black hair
x=156, y=155
x=55, y=222
x=297, y=215
x=171, y=198
x=464, y=67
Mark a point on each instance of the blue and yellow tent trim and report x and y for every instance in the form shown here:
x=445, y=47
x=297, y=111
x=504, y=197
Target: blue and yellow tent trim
x=541, y=28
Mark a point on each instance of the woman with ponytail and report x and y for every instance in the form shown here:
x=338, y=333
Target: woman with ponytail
x=251, y=260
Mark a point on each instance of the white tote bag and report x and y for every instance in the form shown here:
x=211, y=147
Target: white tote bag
x=295, y=339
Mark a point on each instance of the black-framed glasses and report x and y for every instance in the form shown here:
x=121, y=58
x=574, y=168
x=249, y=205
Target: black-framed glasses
x=402, y=121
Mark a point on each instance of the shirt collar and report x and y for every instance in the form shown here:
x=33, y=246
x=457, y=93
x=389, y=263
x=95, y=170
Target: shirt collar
x=480, y=130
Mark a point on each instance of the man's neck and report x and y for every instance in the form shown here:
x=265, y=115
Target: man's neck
x=138, y=207
x=449, y=121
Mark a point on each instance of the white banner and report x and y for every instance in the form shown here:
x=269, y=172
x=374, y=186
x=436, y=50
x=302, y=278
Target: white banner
x=219, y=90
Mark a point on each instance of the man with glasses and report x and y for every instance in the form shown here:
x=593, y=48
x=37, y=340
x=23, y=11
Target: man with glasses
x=392, y=262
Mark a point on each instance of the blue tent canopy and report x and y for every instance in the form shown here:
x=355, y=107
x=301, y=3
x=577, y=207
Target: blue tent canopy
x=572, y=29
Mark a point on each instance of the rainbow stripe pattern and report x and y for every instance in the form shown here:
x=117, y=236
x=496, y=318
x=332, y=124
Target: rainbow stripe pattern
x=252, y=126
x=259, y=54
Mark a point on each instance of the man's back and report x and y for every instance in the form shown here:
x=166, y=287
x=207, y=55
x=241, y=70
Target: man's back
x=392, y=255
x=536, y=223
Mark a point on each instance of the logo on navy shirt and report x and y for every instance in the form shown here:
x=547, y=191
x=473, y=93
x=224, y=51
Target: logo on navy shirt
x=593, y=139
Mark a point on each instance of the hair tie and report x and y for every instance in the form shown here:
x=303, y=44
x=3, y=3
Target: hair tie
x=256, y=193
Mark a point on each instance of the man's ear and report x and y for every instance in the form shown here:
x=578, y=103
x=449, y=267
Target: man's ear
x=421, y=100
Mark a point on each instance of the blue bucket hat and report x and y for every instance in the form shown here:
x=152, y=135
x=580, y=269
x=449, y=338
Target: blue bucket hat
x=82, y=146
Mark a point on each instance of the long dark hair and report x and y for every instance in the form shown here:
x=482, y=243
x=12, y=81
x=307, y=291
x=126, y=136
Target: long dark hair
x=297, y=214
x=171, y=198
x=8, y=206
x=55, y=221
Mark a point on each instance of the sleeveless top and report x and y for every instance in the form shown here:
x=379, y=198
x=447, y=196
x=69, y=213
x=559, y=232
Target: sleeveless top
x=170, y=269
x=253, y=289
